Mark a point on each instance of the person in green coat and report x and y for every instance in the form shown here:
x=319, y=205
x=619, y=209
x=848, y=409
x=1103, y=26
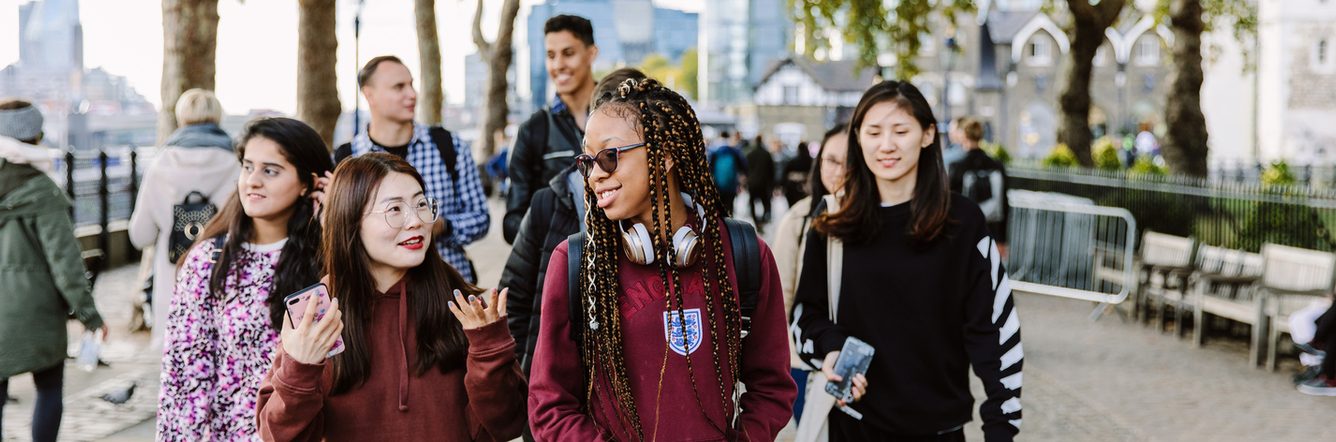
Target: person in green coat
x=41, y=275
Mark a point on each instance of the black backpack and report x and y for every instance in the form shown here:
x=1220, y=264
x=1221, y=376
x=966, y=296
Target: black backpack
x=188, y=221
x=746, y=262
x=445, y=145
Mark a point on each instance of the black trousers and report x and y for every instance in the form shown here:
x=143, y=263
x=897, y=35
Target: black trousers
x=846, y=428
x=1325, y=338
x=49, y=405
x=761, y=197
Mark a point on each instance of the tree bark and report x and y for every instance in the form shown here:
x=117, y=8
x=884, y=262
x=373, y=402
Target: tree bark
x=189, y=45
x=1185, y=147
x=317, y=82
x=1087, y=34
x=429, y=51
x=498, y=56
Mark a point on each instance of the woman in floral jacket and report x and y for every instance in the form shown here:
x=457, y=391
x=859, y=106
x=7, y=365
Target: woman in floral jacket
x=226, y=311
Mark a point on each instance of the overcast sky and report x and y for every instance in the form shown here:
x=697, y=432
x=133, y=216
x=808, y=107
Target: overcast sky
x=257, y=43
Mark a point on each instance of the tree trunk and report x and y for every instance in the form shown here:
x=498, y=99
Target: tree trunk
x=1185, y=145
x=189, y=43
x=317, y=82
x=1089, y=21
x=498, y=56
x=429, y=51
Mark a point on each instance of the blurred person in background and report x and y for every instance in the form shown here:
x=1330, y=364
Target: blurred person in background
x=41, y=275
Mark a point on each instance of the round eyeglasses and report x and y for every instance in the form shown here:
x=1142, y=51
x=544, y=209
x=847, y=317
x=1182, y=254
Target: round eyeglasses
x=397, y=212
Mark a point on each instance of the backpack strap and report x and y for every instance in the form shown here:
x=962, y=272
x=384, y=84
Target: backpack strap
x=574, y=256
x=342, y=153
x=445, y=145
x=747, y=265
x=218, y=242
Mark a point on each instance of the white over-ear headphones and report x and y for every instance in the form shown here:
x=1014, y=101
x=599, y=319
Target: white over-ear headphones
x=639, y=246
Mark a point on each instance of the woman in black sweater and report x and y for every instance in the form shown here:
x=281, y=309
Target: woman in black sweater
x=921, y=283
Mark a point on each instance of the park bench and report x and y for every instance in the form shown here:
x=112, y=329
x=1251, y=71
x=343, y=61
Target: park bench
x=1292, y=279
x=1162, y=274
x=1224, y=285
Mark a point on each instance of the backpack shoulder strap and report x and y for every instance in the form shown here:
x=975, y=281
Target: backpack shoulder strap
x=747, y=264
x=342, y=153
x=218, y=242
x=445, y=145
x=574, y=256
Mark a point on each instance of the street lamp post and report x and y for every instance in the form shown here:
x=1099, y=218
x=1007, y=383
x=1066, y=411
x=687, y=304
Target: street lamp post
x=357, y=60
x=948, y=52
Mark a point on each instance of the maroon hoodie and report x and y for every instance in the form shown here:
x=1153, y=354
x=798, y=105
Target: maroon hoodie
x=555, y=387
x=483, y=401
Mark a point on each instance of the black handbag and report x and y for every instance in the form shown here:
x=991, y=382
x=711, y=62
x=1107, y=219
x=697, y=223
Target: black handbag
x=188, y=220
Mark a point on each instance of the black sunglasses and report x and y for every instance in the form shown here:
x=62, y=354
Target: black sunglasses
x=606, y=159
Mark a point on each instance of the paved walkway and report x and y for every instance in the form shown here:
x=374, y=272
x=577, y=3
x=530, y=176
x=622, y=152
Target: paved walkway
x=1085, y=380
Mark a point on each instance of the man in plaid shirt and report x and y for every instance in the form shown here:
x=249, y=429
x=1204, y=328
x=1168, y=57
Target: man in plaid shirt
x=388, y=87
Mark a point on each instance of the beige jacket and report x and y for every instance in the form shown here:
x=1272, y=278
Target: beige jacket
x=790, y=243
x=174, y=174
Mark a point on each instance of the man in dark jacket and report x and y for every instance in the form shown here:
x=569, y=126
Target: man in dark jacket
x=983, y=180
x=550, y=139
x=556, y=213
x=760, y=181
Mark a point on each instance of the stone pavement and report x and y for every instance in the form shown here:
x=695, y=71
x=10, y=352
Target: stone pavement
x=1085, y=380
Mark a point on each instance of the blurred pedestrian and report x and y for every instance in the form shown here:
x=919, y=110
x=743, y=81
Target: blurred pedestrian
x=198, y=158
x=42, y=278
x=827, y=176
x=795, y=173
x=227, y=309
x=983, y=179
x=760, y=182
x=729, y=167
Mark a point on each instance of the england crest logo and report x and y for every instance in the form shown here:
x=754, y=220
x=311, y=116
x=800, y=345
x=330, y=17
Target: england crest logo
x=683, y=340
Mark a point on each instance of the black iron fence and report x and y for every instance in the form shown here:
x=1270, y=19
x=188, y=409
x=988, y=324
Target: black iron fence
x=1223, y=213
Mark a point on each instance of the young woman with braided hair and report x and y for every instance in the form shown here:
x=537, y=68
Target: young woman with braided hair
x=660, y=351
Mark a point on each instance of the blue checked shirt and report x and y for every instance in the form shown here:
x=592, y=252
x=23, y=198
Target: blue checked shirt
x=465, y=209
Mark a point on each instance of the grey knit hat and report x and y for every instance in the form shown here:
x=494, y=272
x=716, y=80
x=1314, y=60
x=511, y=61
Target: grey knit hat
x=21, y=124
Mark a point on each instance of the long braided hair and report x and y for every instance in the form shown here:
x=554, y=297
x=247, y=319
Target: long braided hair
x=670, y=129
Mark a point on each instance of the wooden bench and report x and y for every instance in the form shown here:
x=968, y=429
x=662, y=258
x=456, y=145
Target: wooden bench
x=1292, y=279
x=1224, y=285
x=1162, y=273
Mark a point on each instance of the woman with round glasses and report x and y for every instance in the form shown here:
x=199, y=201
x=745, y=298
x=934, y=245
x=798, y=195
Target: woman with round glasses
x=658, y=352
x=224, y=318
x=427, y=356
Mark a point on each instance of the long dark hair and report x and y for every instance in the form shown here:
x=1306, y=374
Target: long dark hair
x=815, y=187
x=440, y=337
x=670, y=129
x=857, y=219
x=299, y=261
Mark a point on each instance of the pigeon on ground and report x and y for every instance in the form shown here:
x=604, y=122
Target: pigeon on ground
x=120, y=396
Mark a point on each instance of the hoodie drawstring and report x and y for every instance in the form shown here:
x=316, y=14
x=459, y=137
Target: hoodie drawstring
x=403, y=347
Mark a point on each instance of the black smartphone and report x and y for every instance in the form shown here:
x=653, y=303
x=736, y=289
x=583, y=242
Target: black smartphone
x=855, y=358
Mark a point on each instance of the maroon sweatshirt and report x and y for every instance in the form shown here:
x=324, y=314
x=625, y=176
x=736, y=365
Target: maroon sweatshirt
x=555, y=388
x=484, y=401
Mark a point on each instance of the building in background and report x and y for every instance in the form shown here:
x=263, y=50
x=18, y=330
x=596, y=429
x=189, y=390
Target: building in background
x=1296, y=82
x=739, y=40
x=83, y=108
x=798, y=99
x=626, y=31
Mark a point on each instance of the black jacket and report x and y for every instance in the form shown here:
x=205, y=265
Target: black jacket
x=552, y=217
x=983, y=180
x=538, y=155
x=760, y=170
